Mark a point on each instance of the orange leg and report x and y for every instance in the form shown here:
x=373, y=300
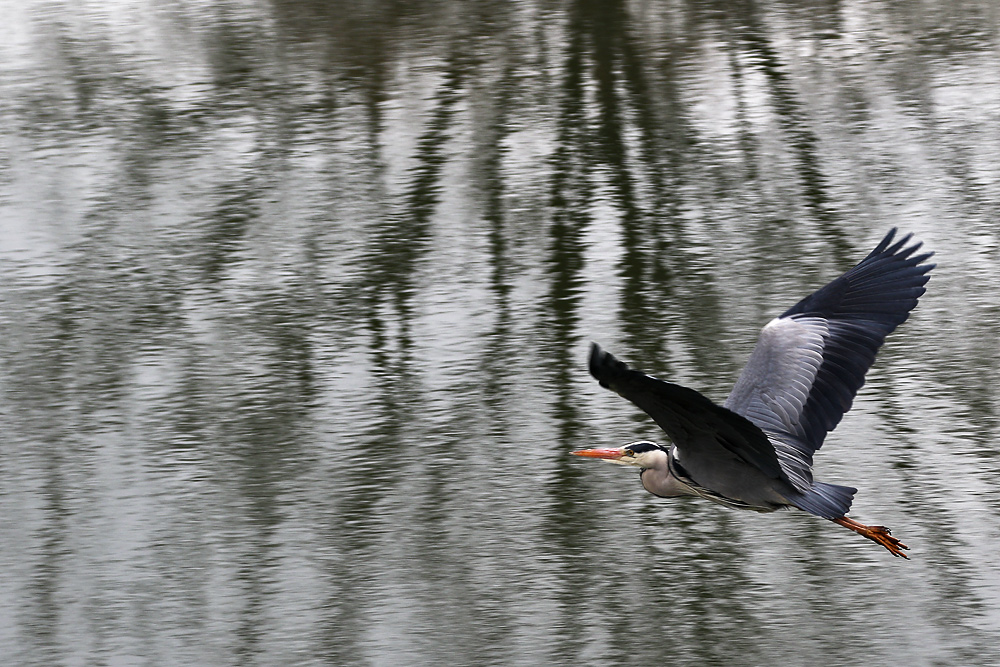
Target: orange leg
x=878, y=534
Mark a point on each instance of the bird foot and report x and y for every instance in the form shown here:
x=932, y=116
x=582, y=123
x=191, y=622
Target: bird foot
x=878, y=534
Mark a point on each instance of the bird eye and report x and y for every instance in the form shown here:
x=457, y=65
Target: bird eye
x=629, y=452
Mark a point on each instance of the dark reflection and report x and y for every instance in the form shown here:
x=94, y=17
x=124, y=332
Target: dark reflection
x=226, y=226
x=491, y=182
x=570, y=205
x=403, y=238
x=268, y=439
x=711, y=600
x=389, y=287
x=646, y=256
x=41, y=619
x=601, y=34
x=791, y=115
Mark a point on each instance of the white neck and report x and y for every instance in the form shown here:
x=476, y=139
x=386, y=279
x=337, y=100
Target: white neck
x=658, y=480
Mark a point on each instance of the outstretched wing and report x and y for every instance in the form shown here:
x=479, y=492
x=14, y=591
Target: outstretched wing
x=810, y=362
x=698, y=427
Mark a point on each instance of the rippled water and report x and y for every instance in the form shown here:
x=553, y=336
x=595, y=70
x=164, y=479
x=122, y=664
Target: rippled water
x=296, y=299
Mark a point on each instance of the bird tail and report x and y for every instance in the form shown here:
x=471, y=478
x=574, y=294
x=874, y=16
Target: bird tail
x=829, y=501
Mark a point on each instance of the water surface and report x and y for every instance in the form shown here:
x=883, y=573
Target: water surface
x=296, y=300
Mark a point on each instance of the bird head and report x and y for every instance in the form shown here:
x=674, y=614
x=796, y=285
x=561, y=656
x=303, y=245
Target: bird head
x=642, y=454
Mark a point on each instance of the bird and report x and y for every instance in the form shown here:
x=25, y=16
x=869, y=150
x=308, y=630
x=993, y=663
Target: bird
x=755, y=451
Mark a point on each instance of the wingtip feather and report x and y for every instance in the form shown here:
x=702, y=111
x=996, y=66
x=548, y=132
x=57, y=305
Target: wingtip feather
x=603, y=365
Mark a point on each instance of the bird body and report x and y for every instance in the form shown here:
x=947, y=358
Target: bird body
x=756, y=450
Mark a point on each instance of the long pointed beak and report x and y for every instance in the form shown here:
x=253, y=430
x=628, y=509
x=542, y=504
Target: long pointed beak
x=607, y=454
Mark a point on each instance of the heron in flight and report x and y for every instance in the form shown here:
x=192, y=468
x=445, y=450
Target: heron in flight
x=755, y=451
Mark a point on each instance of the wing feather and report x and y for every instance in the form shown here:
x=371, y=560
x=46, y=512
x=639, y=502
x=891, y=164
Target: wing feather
x=697, y=426
x=810, y=362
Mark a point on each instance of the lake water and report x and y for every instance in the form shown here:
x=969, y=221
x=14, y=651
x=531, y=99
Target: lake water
x=296, y=300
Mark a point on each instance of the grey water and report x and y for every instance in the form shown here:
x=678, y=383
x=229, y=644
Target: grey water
x=295, y=301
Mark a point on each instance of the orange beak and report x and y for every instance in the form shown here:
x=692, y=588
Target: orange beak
x=607, y=454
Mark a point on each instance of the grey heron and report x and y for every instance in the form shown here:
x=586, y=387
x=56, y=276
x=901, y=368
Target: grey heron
x=755, y=451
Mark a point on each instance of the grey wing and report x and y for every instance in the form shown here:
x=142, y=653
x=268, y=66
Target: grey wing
x=773, y=389
x=810, y=362
x=700, y=429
